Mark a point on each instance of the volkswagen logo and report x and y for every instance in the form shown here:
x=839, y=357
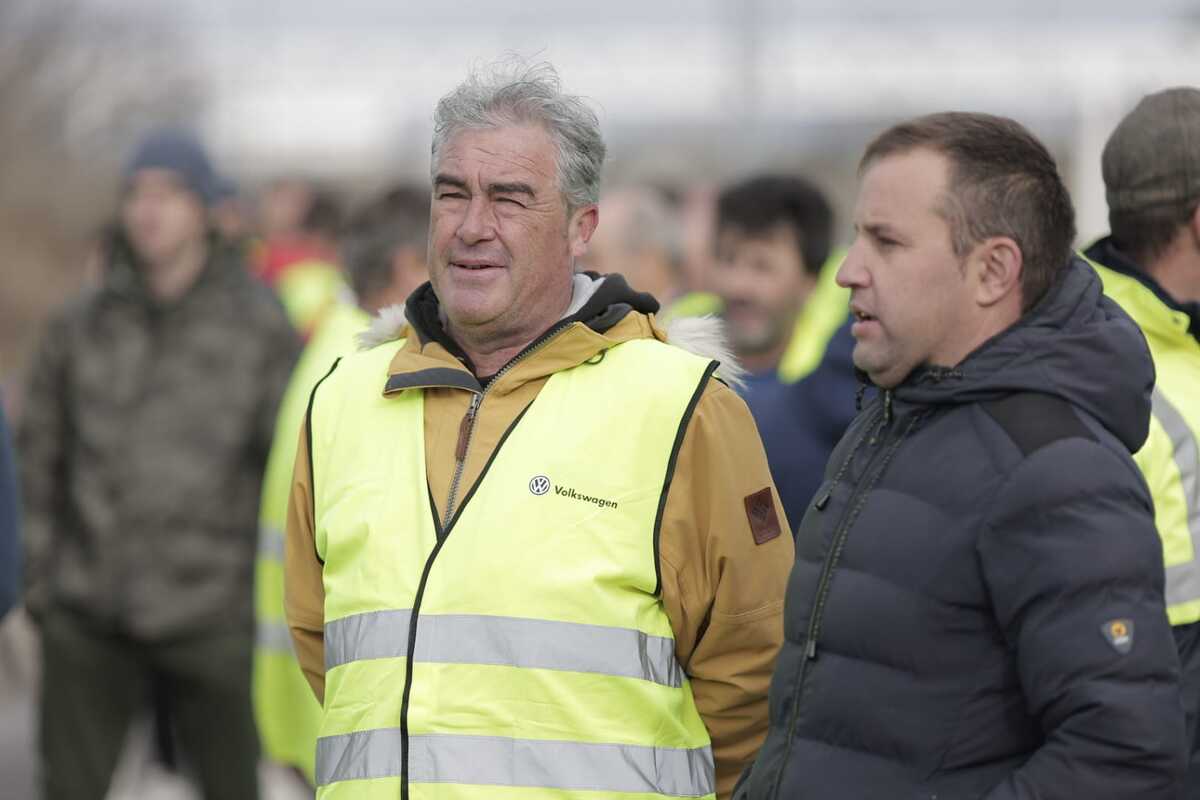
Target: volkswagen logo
x=539, y=485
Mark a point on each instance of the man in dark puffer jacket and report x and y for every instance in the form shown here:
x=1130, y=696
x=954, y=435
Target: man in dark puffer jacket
x=976, y=608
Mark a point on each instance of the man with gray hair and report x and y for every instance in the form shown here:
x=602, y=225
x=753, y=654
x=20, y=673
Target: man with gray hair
x=532, y=539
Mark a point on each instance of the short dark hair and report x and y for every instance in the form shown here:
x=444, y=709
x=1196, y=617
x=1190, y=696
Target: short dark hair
x=1146, y=233
x=397, y=218
x=1003, y=182
x=764, y=202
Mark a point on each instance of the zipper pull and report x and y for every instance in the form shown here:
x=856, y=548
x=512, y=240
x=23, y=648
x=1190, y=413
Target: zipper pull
x=823, y=499
x=464, y=429
x=811, y=650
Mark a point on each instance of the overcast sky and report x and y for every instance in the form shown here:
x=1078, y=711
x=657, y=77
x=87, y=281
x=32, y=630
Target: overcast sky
x=348, y=83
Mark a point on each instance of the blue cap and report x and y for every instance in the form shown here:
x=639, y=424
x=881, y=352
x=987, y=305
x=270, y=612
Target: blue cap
x=181, y=153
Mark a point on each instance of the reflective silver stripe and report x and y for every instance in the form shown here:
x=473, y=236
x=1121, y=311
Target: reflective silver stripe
x=270, y=543
x=375, y=634
x=273, y=636
x=507, y=641
x=1183, y=580
x=498, y=761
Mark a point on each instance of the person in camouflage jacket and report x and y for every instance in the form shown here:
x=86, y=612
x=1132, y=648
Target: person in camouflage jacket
x=150, y=414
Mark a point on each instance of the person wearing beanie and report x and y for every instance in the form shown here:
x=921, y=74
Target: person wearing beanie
x=1150, y=264
x=150, y=413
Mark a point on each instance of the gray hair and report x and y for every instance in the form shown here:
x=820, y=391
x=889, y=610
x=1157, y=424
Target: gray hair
x=647, y=221
x=513, y=92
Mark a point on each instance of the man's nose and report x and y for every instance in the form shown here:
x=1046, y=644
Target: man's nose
x=852, y=273
x=739, y=280
x=479, y=223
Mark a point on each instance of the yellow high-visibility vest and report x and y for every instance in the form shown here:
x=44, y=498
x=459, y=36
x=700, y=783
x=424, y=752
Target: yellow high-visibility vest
x=310, y=290
x=285, y=708
x=520, y=650
x=1170, y=458
x=826, y=310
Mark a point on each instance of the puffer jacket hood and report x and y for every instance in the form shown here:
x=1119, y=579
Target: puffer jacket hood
x=1075, y=344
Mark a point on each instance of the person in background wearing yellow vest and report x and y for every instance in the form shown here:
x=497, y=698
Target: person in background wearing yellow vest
x=383, y=253
x=1150, y=265
x=533, y=548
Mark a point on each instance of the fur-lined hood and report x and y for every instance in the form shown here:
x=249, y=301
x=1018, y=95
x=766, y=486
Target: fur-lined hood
x=703, y=336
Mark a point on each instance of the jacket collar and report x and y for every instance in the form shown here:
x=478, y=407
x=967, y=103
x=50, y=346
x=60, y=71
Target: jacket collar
x=604, y=312
x=1105, y=252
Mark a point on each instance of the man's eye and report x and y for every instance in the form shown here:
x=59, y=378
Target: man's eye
x=450, y=196
x=510, y=200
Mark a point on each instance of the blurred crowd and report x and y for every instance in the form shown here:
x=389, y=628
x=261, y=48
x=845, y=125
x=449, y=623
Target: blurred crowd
x=160, y=419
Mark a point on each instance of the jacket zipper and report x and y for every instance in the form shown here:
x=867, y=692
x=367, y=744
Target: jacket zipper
x=839, y=537
x=869, y=478
x=466, y=429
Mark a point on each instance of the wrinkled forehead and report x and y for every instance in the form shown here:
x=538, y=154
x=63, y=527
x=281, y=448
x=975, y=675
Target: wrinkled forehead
x=524, y=153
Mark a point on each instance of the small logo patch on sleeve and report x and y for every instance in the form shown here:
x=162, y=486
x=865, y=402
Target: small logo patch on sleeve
x=1119, y=633
x=764, y=522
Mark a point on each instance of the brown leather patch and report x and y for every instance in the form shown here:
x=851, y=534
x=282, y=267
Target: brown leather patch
x=764, y=522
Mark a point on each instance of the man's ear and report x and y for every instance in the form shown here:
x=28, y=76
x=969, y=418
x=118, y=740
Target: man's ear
x=581, y=227
x=998, y=267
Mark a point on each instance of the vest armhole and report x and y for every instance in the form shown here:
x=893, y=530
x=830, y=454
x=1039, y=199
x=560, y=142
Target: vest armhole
x=670, y=476
x=308, y=440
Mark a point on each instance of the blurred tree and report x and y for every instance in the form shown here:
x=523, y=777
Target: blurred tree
x=78, y=82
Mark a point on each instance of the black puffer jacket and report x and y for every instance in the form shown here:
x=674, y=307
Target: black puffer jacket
x=976, y=608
